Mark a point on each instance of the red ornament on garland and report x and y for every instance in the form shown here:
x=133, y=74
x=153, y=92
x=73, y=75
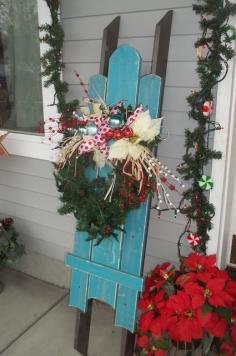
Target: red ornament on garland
x=193, y=239
x=207, y=108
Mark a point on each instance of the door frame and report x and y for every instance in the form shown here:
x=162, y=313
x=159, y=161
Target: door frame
x=224, y=170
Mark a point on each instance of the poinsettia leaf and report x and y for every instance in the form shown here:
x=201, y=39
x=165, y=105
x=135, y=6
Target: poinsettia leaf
x=207, y=342
x=206, y=308
x=169, y=288
x=227, y=337
x=143, y=353
x=224, y=313
x=161, y=344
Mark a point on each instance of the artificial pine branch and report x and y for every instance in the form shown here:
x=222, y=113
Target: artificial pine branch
x=211, y=70
x=51, y=61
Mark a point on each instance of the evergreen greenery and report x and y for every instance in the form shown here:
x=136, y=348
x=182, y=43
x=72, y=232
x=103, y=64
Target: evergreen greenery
x=83, y=195
x=217, y=37
x=51, y=61
x=10, y=247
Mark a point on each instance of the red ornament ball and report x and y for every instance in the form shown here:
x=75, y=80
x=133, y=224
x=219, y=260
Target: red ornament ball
x=128, y=132
x=109, y=134
x=117, y=135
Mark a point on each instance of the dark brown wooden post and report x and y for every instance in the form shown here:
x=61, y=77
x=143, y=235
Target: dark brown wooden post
x=82, y=329
x=83, y=320
x=127, y=343
x=161, y=50
x=109, y=44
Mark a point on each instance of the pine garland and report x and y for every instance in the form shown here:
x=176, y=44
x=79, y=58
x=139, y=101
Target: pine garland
x=212, y=68
x=51, y=61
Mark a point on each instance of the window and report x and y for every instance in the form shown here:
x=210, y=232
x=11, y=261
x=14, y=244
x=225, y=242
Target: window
x=21, y=107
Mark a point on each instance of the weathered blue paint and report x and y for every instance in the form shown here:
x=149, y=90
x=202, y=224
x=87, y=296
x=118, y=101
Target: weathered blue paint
x=149, y=93
x=112, y=271
x=80, y=281
x=123, y=76
x=126, y=308
x=104, y=272
x=137, y=221
x=97, y=87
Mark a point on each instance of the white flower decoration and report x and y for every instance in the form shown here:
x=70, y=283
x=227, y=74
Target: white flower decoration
x=145, y=129
x=122, y=148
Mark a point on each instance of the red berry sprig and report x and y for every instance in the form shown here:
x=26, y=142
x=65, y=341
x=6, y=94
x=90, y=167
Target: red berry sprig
x=119, y=133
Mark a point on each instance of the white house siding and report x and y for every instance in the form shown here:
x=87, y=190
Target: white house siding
x=27, y=189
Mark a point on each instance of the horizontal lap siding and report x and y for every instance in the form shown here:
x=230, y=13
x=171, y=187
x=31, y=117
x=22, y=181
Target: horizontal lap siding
x=28, y=194
x=27, y=189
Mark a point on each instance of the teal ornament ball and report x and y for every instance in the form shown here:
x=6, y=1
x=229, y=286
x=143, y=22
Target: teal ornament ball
x=91, y=129
x=205, y=182
x=116, y=121
x=83, y=130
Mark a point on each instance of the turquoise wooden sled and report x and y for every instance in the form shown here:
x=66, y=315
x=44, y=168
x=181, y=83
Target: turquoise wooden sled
x=112, y=271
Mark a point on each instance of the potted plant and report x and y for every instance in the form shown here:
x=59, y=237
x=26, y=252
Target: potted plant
x=191, y=307
x=10, y=247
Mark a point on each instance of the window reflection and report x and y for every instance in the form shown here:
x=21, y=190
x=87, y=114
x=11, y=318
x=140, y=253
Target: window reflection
x=20, y=81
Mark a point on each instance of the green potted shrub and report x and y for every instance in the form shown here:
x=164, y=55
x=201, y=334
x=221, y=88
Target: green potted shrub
x=10, y=247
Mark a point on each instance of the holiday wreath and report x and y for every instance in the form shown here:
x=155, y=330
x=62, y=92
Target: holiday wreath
x=120, y=140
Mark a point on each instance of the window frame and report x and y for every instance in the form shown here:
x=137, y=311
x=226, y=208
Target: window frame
x=30, y=144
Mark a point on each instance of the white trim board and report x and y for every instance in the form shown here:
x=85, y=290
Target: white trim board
x=223, y=170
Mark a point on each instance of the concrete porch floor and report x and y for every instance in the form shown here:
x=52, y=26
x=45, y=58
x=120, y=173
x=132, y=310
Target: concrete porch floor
x=35, y=320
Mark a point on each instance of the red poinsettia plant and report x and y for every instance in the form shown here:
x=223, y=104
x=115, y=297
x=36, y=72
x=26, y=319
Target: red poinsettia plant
x=193, y=306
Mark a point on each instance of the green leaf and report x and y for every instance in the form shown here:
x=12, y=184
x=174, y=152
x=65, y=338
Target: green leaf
x=224, y=313
x=169, y=288
x=206, y=308
x=143, y=353
x=161, y=344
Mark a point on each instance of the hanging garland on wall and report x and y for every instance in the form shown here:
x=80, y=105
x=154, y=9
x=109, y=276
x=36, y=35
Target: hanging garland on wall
x=51, y=61
x=213, y=52
x=172, y=314
x=120, y=139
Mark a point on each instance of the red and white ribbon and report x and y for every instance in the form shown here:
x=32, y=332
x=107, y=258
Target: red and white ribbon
x=97, y=141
